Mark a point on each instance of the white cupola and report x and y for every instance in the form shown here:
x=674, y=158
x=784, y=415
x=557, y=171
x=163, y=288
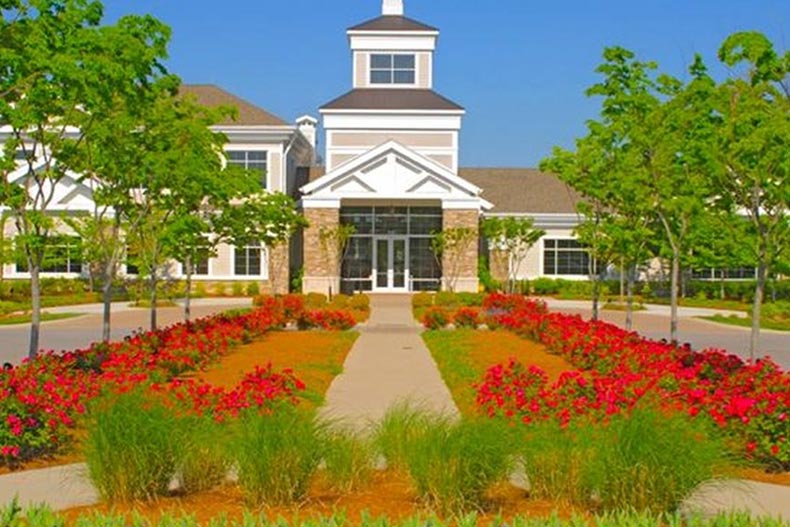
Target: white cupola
x=392, y=8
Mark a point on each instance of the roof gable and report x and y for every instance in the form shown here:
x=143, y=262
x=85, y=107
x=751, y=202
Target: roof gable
x=393, y=171
x=248, y=114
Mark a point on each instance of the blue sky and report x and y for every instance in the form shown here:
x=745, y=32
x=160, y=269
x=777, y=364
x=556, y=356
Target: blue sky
x=520, y=67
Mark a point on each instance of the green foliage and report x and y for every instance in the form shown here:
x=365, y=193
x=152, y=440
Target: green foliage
x=133, y=447
x=360, y=301
x=12, y=515
x=452, y=465
x=204, y=462
x=333, y=242
x=450, y=247
x=348, y=460
x=513, y=237
x=422, y=299
x=237, y=289
x=316, y=301
x=436, y=318
x=647, y=460
x=394, y=433
x=277, y=455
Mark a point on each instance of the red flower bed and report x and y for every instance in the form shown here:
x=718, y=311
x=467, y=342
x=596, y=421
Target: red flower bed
x=749, y=402
x=40, y=399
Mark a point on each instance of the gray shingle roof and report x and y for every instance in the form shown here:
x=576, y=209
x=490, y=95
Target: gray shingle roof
x=248, y=114
x=391, y=99
x=392, y=23
x=522, y=190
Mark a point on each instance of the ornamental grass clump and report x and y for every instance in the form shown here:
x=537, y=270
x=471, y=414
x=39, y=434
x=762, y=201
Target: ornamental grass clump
x=644, y=460
x=394, y=433
x=205, y=462
x=277, y=454
x=348, y=460
x=133, y=447
x=453, y=464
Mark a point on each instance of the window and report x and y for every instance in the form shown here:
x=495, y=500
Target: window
x=64, y=255
x=565, y=257
x=247, y=261
x=254, y=160
x=392, y=69
x=199, y=263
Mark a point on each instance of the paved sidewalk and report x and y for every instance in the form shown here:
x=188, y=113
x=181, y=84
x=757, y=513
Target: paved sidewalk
x=759, y=499
x=388, y=364
x=58, y=487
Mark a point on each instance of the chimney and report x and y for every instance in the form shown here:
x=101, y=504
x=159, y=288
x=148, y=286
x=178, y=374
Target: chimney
x=308, y=127
x=392, y=8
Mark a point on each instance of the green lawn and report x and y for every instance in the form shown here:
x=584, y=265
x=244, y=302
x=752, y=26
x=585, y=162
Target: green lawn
x=746, y=322
x=11, y=320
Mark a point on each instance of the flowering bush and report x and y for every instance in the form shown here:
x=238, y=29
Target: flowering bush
x=41, y=399
x=748, y=402
x=467, y=317
x=436, y=318
x=330, y=320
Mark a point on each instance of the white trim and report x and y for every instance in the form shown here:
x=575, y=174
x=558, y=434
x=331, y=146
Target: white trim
x=264, y=265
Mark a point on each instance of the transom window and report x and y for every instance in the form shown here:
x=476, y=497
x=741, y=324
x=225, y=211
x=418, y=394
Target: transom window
x=255, y=160
x=565, y=257
x=392, y=69
x=247, y=261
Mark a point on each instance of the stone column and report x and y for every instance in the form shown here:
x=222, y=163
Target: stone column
x=464, y=262
x=319, y=269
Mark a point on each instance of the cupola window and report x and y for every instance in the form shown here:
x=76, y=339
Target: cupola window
x=392, y=69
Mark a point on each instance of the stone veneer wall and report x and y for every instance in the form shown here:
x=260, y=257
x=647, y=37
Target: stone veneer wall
x=467, y=280
x=278, y=270
x=319, y=271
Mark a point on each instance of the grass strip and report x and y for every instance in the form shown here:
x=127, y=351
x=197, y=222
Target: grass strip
x=744, y=322
x=12, y=320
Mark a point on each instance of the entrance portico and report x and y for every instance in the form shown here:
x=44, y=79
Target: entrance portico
x=396, y=200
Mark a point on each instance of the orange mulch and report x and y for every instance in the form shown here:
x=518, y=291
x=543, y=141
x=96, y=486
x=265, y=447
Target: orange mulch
x=389, y=494
x=316, y=357
x=489, y=348
x=756, y=474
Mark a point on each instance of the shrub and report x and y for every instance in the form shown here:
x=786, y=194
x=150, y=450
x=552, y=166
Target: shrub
x=445, y=299
x=326, y=319
x=467, y=317
x=422, y=299
x=253, y=289
x=340, y=301
x=219, y=289
x=471, y=299
x=435, y=318
x=545, y=286
x=776, y=311
x=277, y=455
x=348, y=461
x=452, y=465
x=315, y=300
x=237, y=289
x=133, y=447
x=200, y=290
x=360, y=302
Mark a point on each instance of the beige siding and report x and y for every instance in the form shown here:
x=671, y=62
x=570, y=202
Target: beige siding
x=443, y=160
x=339, y=159
x=361, y=68
x=424, y=70
x=429, y=140
x=221, y=265
x=275, y=172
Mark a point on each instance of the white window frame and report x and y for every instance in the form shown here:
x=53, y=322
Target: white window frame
x=264, y=270
x=392, y=70
x=545, y=272
x=247, y=152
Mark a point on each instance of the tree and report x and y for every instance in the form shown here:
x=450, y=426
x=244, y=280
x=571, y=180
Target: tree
x=614, y=220
x=59, y=66
x=270, y=219
x=450, y=248
x=514, y=237
x=753, y=147
x=334, y=244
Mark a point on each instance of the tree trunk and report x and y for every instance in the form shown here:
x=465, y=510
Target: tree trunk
x=595, y=289
x=106, y=323
x=673, y=295
x=623, y=271
x=188, y=293
x=153, y=300
x=759, y=293
x=35, y=315
x=629, y=310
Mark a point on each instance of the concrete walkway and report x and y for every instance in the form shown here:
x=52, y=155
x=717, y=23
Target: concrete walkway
x=58, y=487
x=388, y=364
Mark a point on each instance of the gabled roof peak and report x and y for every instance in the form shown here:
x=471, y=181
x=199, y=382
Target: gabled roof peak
x=393, y=23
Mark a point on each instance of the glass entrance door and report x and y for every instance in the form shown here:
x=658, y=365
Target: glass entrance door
x=391, y=263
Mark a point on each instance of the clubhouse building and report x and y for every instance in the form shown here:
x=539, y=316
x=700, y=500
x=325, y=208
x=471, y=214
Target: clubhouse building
x=391, y=169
